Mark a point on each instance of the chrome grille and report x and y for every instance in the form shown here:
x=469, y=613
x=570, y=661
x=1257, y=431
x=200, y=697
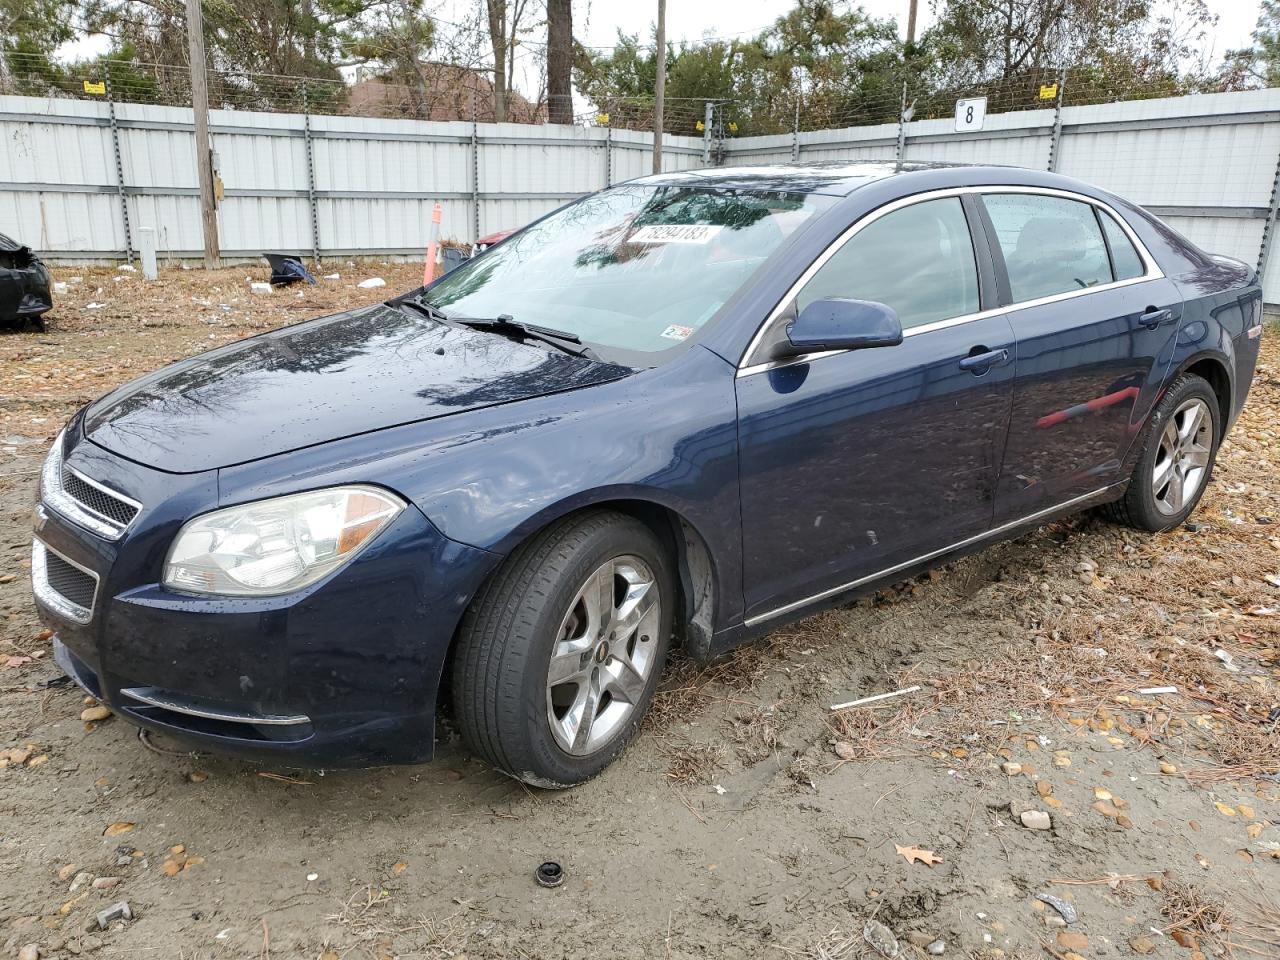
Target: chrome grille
x=97, y=499
x=73, y=584
x=84, y=501
x=61, y=585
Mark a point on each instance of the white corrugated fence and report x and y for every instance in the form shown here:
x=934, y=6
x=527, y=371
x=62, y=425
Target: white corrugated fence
x=1207, y=164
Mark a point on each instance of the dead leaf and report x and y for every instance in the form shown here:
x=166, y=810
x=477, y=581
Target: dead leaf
x=399, y=868
x=10, y=662
x=913, y=854
x=116, y=829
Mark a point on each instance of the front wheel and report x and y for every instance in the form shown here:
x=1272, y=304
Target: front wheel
x=1175, y=465
x=560, y=653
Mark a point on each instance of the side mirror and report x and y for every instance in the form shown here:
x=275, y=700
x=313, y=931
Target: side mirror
x=837, y=324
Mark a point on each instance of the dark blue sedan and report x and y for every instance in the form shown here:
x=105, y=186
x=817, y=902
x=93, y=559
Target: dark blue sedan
x=687, y=409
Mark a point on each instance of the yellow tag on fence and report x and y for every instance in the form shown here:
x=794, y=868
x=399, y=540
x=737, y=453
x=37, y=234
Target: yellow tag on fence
x=99, y=87
x=1049, y=91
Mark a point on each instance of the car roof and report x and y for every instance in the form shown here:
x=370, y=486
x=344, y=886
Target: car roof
x=833, y=177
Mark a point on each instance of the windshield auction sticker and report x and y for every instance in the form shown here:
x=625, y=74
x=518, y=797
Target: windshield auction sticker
x=675, y=233
x=677, y=332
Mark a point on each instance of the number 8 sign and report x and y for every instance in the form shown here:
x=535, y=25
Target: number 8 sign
x=970, y=113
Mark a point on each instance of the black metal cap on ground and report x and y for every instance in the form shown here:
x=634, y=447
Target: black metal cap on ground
x=549, y=874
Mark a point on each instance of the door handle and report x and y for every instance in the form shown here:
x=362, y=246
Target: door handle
x=1154, y=317
x=982, y=362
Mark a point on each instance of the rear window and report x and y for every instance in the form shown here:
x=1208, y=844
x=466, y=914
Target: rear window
x=1051, y=245
x=1124, y=258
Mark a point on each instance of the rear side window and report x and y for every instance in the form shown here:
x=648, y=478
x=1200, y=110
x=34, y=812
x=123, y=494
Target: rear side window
x=1124, y=258
x=1051, y=245
x=918, y=260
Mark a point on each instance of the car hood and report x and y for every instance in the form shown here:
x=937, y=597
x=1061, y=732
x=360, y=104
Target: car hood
x=322, y=380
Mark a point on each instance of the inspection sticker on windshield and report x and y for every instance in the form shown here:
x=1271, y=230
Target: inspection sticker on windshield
x=677, y=332
x=675, y=233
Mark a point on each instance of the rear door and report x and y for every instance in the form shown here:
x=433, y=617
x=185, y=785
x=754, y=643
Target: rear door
x=855, y=462
x=1095, y=322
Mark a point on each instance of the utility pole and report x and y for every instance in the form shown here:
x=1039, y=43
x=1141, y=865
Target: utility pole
x=911, y=24
x=660, y=86
x=204, y=153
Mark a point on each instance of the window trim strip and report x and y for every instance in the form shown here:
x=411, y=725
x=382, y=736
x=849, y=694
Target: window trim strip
x=1152, y=270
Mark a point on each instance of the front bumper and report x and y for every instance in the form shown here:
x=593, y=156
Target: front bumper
x=343, y=673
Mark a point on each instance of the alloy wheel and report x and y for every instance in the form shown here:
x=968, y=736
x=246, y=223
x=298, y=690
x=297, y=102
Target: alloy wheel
x=604, y=654
x=1182, y=461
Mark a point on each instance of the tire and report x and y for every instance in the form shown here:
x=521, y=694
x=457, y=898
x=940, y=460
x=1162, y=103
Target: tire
x=1150, y=502
x=549, y=597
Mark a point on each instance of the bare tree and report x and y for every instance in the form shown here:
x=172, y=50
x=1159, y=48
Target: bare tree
x=505, y=21
x=559, y=61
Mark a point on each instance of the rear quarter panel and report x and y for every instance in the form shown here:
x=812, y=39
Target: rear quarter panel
x=1222, y=319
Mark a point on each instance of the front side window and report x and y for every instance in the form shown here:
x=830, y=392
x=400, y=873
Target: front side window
x=1051, y=245
x=634, y=270
x=918, y=260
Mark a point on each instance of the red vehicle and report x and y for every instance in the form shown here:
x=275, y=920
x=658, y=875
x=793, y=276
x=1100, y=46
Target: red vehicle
x=484, y=243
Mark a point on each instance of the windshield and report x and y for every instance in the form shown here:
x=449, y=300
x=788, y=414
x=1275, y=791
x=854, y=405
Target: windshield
x=635, y=269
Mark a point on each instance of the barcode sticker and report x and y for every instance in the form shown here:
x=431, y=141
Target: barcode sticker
x=675, y=233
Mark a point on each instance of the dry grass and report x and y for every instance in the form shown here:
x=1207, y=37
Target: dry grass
x=1083, y=664
x=1195, y=912
x=755, y=731
x=1256, y=931
x=692, y=762
x=689, y=686
x=380, y=931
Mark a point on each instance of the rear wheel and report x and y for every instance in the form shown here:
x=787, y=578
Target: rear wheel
x=560, y=653
x=1175, y=465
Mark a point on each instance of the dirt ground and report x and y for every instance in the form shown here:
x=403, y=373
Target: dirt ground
x=747, y=820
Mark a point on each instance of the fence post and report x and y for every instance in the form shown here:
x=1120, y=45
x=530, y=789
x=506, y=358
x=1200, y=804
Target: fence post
x=311, y=175
x=795, y=132
x=115, y=146
x=1055, y=143
x=475, y=169
x=902, y=124
x=608, y=147
x=1269, y=227
x=708, y=118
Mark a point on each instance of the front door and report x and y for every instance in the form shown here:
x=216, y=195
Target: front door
x=1092, y=353
x=859, y=461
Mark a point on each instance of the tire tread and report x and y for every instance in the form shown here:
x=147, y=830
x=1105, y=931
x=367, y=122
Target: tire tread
x=489, y=660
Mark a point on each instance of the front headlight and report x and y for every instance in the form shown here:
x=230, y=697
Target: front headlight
x=277, y=546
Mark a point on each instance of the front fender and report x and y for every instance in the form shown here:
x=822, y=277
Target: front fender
x=489, y=478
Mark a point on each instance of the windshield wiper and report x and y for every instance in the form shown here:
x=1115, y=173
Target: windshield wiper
x=504, y=323
x=425, y=307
